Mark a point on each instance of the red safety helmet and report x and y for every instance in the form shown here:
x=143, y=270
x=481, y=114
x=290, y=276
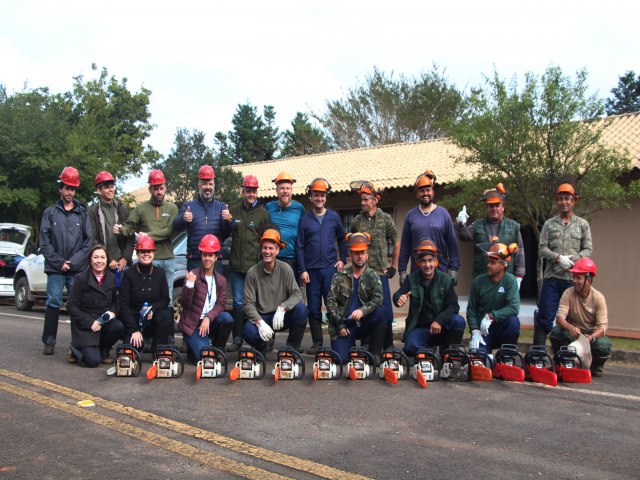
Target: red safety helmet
x=206, y=173
x=284, y=177
x=70, y=177
x=209, y=244
x=319, y=185
x=426, y=179
x=584, y=265
x=567, y=188
x=103, y=177
x=359, y=241
x=250, y=181
x=156, y=177
x=272, y=235
x=495, y=195
x=145, y=242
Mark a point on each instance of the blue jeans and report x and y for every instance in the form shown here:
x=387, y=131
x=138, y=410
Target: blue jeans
x=169, y=266
x=197, y=342
x=342, y=345
x=237, y=289
x=386, y=298
x=421, y=337
x=507, y=331
x=55, y=286
x=550, y=293
x=296, y=316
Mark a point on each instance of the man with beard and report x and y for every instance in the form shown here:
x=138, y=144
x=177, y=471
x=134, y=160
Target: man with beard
x=202, y=216
x=155, y=218
x=428, y=220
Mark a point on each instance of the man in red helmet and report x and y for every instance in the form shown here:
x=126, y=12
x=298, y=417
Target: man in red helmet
x=583, y=310
x=155, y=218
x=564, y=239
x=202, y=216
x=246, y=219
x=65, y=241
x=104, y=214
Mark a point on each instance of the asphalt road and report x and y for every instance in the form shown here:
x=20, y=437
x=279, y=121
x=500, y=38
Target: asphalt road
x=216, y=428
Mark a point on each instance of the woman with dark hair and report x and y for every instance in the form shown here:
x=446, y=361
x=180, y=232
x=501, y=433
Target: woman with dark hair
x=93, y=306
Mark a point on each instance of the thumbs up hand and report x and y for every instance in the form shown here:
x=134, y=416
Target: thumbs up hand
x=226, y=215
x=463, y=216
x=188, y=216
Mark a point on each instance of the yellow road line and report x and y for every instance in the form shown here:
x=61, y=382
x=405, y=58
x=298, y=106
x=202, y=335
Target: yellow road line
x=308, y=466
x=217, y=462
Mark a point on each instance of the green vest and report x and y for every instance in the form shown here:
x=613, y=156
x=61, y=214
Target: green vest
x=507, y=233
x=440, y=285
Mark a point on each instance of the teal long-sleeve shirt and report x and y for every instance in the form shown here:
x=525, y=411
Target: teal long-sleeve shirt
x=500, y=299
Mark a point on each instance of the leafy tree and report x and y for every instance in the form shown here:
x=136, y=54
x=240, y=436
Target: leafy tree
x=385, y=109
x=626, y=96
x=99, y=125
x=254, y=138
x=303, y=138
x=534, y=138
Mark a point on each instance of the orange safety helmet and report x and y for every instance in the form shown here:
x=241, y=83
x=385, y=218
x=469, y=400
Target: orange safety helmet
x=209, y=244
x=567, y=188
x=206, y=173
x=272, y=235
x=425, y=179
x=584, y=265
x=284, y=177
x=359, y=241
x=70, y=177
x=427, y=247
x=250, y=181
x=495, y=195
x=319, y=185
x=156, y=177
x=104, y=177
x=145, y=242
x=367, y=188
x=501, y=251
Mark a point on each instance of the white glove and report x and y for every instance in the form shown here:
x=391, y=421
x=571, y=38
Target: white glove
x=264, y=330
x=519, y=280
x=485, y=324
x=565, y=262
x=278, y=318
x=463, y=216
x=476, y=340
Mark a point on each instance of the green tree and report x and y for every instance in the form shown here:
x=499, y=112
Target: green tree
x=385, y=109
x=626, y=96
x=303, y=138
x=534, y=138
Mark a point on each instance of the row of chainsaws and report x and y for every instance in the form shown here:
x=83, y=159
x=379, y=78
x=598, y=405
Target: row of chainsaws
x=457, y=364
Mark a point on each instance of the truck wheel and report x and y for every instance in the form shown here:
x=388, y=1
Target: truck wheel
x=22, y=295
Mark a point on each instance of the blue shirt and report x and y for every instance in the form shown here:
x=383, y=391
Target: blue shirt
x=287, y=219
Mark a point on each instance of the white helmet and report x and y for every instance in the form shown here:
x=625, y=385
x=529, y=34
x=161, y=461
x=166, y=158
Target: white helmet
x=583, y=349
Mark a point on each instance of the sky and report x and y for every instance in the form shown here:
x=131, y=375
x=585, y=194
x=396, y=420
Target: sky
x=200, y=59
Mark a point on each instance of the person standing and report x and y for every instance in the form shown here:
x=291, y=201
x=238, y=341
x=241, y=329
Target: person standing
x=65, y=241
x=202, y=216
x=247, y=217
x=155, y=218
x=104, y=214
x=564, y=239
x=428, y=220
x=495, y=225
x=319, y=232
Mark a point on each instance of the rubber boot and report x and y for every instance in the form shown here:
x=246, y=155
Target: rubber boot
x=376, y=342
x=388, y=337
x=597, y=364
x=539, y=335
x=296, y=332
x=220, y=339
x=238, y=325
x=555, y=345
x=451, y=337
x=315, y=324
x=50, y=330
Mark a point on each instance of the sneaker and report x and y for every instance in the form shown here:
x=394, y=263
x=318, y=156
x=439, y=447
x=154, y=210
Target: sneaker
x=234, y=347
x=107, y=360
x=49, y=349
x=314, y=349
x=71, y=358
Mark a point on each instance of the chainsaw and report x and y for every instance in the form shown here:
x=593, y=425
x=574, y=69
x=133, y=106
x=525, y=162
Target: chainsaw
x=394, y=366
x=128, y=362
x=362, y=364
x=426, y=367
x=568, y=366
x=455, y=364
x=168, y=363
x=506, y=364
x=212, y=363
x=327, y=365
x=250, y=365
x=289, y=365
x=538, y=366
x=481, y=366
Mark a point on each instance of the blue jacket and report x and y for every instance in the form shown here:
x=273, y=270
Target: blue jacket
x=207, y=218
x=316, y=243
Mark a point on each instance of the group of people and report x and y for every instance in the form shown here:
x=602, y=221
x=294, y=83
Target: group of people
x=279, y=248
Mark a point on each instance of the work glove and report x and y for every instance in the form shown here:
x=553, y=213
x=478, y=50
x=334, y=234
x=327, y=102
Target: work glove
x=391, y=272
x=565, y=262
x=485, y=324
x=519, y=280
x=454, y=275
x=476, y=340
x=463, y=216
x=278, y=318
x=265, y=331
x=402, y=276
